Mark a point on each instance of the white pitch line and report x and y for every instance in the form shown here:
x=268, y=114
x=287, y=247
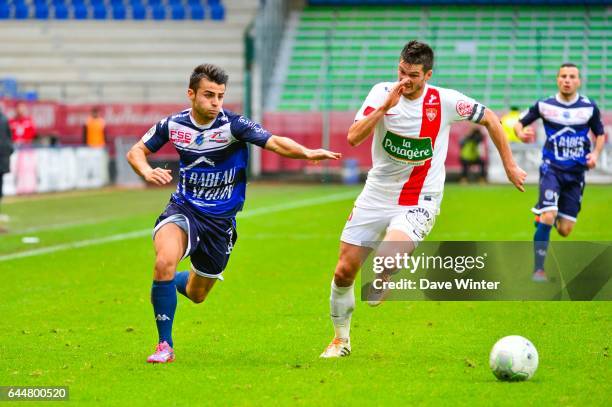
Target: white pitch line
x=65, y=225
x=144, y=232
x=75, y=245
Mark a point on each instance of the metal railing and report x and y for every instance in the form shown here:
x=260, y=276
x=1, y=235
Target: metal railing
x=268, y=31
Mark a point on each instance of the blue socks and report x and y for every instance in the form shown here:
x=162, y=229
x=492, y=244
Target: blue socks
x=163, y=297
x=181, y=279
x=540, y=245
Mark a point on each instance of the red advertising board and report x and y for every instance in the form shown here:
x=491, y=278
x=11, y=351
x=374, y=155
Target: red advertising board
x=132, y=120
x=122, y=120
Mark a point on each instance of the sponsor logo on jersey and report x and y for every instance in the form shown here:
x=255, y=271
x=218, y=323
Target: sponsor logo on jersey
x=568, y=144
x=218, y=137
x=432, y=101
x=464, y=108
x=415, y=151
x=568, y=116
x=251, y=125
x=549, y=112
x=202, y=187
x=180, y=136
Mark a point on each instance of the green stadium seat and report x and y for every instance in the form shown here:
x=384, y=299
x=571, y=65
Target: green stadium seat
x=515, y=54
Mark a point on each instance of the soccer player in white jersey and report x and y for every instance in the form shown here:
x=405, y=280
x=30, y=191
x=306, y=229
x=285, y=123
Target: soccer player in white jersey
x=410, y=120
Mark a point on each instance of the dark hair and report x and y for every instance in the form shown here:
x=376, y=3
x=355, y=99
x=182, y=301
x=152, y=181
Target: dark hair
x=418, y=53
x=207, y=71
x=568, y=65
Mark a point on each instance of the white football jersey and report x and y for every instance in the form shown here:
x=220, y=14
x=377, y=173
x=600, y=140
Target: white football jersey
x=410, y=144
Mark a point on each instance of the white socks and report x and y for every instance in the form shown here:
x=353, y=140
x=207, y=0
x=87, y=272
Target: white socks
x=342, y=303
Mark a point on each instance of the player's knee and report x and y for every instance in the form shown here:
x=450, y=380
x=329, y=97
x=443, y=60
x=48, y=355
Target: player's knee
x=345, y=272
x=548, y=218
x=164, y=268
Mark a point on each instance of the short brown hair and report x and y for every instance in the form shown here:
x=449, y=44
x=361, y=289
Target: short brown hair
x=418, y=53
x=568, y=65
x=210, y=72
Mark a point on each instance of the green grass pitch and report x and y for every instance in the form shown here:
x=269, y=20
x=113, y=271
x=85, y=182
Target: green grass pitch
x=77, y=312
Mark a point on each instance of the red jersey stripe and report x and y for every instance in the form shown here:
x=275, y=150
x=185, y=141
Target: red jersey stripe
x=430, y=126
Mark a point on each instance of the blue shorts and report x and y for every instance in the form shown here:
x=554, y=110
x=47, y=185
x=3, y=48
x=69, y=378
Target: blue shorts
x=560, y=191
x=210, y=240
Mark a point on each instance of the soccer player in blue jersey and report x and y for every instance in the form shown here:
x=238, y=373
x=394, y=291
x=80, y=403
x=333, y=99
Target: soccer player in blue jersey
x=199, y=221
x=566, y=156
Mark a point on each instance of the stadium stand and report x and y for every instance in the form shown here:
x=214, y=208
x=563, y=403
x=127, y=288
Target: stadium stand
x=109, y=57
x=100, y=9
x=500, y=55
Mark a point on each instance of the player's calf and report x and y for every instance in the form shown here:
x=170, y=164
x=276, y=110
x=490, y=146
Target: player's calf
x=565, y=226
x=541, y=240
x=193, y=286
x=198, y=295
x=342, y=297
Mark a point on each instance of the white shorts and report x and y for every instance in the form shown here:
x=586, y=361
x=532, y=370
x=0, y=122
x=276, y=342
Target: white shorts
x=367, y=226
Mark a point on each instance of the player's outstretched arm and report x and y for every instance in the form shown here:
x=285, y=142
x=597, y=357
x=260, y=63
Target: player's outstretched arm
x=515, y=174
x=289, y=148
x=361, y=129
x=137, y=157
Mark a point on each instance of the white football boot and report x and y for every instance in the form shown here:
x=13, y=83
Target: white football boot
x=338, y=348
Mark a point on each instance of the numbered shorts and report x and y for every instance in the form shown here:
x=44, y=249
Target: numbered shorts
x=367, y=227
x=560, y=191
x=210, y=240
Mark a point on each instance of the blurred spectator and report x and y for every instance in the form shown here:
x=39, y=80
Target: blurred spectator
x=94, y=130
x=22, y=126
x=470, y=155
x=508, y=121
x=6, y=149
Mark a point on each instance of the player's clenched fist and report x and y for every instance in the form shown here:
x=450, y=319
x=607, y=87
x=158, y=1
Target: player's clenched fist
x=158, y=176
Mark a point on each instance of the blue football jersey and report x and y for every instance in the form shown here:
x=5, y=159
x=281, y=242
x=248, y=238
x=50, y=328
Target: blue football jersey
x=213, y=159
x=567, y=128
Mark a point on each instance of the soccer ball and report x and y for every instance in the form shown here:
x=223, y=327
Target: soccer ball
x=513, y=358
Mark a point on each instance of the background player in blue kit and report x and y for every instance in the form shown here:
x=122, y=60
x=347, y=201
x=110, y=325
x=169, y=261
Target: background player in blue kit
x=567, y=117
x=199, y=221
